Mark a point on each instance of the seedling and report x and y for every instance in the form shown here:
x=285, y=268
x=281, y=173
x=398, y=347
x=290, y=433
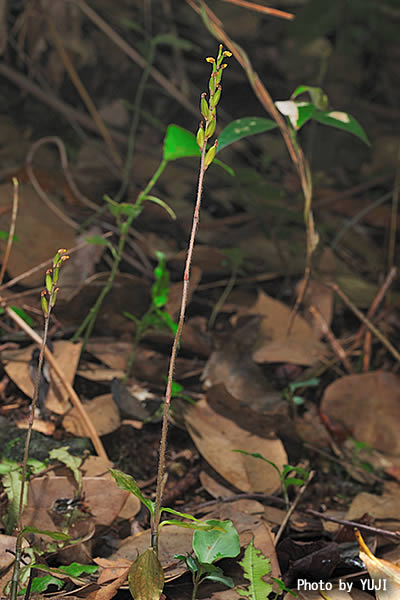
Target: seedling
x=294, y=399
x=212, y=540
x=209, y=546
x=156, y=317
x=284, y=475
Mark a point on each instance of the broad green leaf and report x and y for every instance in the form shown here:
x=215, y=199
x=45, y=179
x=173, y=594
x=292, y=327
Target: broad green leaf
x=241, y=128
x=179, y=143
x=40, y=584
x=146, y=577
x=341, y=120
x=126, y=482
x=12, y=485
x=163, y=205
x=220, y=542
x=255, y=566
x=305, y=113
x=72, y=462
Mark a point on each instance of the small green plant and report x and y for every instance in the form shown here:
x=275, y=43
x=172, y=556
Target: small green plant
x=212, y=540
x=156, y=317
x=293, y=398
x=256, y=566
x=209, y=546
x=285, y=477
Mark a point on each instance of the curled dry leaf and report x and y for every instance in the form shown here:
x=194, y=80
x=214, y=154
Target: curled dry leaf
x=384, y=574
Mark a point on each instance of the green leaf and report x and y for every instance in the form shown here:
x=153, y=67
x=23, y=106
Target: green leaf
x=241, y=128
x=72, y=462
x=119, y=209
x=146, y=577
x=255, y=566
x=40, y=584
x=197, y=526
x=180, y=514
x=341, y=120
x=24, y=316
x=163, y=204
x=5, y=234
x=75, y=569
x=258, y=455
x=97, y=240
x=126, y=482
x=220, y=542
x=166, y=319
x=12, y=485
x=303, y=384
x=318, y=97
x=293, y=481
x=220, y=578
x=54, y=535
x=179, y=143
x=283, y=587
x=160, y=289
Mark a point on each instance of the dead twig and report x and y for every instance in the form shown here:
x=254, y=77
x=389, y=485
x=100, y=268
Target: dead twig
x=11, y=231
x=292, y=508
x=389, y=534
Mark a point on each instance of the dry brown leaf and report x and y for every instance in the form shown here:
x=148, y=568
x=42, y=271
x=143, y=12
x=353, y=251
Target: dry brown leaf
x=384, y=574
x=102, y=496
x=103, y=413
x=108, y=591
x=67, y=356
x=368, y=405
x=384, y=507
x=40, y=232
x=216, y=437
x=274, y=345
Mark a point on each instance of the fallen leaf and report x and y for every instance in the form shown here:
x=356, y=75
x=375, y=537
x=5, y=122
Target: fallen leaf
x=368, y=405
x=40, y=232
x=217, y=436
x=384, y=574
x=274, y=344
x=103, y=413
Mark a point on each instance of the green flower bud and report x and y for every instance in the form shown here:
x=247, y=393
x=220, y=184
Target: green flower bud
x=212, y=84
x=210, y=155
x=200, y=137
x=49, y=281
x=216, y=97
x=56, y=273
x=204, y=106
x=211, y=125
x=43, y=302
x=54, y=297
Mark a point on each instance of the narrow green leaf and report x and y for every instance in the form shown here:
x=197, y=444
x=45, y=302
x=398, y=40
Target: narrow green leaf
x=220, y=578
x=341, y=120
x=258, y=455
x=318, y=97
x=54, y=535
x=180, y=514
x=146, y=577
x=179, y=143
x=197, y=526
x=24, y=315
x=126, y=482
x=241, y=128
x=163, y=205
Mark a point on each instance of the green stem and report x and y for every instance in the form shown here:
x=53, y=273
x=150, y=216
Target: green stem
x=87, y=326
